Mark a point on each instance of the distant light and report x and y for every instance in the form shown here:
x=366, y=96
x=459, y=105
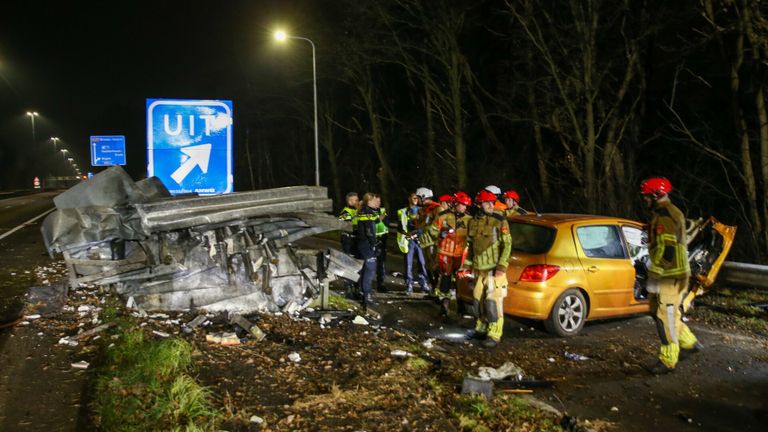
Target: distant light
x=32, y=113
x=280, y=36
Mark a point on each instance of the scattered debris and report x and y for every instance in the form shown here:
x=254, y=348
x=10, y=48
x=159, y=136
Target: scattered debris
x=246, y=325
x=68, y=341
x=615, y=409
x=31, y=317
x=81, y=365
x=88, y=333
x=294, y=357
x=360, y=320
x=574, y=356
x=223, y=338
x=504, y=371
x=400, y=354
x=256, y=419
x=160, y=334
x=477, y=386
x=230, y=252
x=429, y=343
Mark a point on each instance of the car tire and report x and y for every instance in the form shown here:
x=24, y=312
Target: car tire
x=568, y=314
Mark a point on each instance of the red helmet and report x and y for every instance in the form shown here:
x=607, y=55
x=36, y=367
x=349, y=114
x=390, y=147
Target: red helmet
x=462, y=198
x=446, y=198
x=512, y=194
x=485, y=196
x=655, y=186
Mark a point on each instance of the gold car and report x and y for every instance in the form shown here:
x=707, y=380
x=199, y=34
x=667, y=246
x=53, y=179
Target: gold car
x=566, y=269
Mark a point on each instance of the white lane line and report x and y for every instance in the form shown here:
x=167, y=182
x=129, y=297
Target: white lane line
x=26, y=223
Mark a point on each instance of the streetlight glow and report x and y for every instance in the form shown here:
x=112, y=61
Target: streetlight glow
x=281, y=36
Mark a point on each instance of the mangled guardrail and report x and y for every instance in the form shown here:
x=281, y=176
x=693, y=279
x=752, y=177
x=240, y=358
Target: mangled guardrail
x=230, y=252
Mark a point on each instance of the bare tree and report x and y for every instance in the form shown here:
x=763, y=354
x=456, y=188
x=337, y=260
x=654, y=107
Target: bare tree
x=589, y=52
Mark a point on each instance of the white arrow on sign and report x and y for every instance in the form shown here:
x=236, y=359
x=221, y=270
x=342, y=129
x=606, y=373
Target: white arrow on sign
x=198, y=155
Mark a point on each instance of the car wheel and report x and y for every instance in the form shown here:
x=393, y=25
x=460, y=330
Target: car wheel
x=568, y=314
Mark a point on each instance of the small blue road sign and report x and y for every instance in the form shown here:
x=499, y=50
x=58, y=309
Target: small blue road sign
x=189, y=145
x=107, y=150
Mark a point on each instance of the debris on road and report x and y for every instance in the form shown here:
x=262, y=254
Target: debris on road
x=574, y=356
x=504, y=371
x=252, y=329
x=294, y=357
x=360, y=320
x=223, y=338
x=231, y=252
x=81, y=365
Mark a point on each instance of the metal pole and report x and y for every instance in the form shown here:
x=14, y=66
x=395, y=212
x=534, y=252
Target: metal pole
x=314, y=89
x=317, y=146
x=34, y=140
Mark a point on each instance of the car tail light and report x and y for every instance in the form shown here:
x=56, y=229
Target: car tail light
x=539, y=272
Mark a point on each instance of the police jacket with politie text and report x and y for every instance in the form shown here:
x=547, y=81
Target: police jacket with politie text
x=366, y=219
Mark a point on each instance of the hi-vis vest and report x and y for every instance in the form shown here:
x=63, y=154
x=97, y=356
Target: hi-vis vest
x=667, y=243
x=403, y=215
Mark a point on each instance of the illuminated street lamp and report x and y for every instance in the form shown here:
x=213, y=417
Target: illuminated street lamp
x=281, y=36
x=32, y=115
x=55, y=141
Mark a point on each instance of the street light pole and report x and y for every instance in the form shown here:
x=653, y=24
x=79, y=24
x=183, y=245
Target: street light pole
x=282, y=36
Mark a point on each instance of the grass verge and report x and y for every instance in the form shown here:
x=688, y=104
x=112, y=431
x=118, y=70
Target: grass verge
x=146, y=385
x=734, y=309
x=503, y=412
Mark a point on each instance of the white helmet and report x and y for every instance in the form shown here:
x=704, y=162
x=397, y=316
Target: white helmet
x=424, y=193
x=493, y=189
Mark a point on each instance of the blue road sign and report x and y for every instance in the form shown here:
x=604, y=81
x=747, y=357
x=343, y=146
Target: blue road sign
x=189, y=145
x=107, y=150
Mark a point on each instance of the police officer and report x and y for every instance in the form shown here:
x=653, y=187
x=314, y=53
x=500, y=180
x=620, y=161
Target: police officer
x=367, y=244
x=347, y=214
x=489, y=246
x=382, y=233
x=668, y=274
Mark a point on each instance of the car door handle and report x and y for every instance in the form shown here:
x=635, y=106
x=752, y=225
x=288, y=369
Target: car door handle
x=593, y=269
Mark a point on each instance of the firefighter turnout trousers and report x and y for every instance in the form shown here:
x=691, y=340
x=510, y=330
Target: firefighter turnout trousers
x=488, y=303
x=665, y=306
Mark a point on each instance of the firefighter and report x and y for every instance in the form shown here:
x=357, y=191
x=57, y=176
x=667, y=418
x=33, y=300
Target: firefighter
x=408, y=241
x=489, y=245
x=512, y=201
x=427, y=213
x=382, y=233
x=498, y=205
x=450, y=228
x=347, y=214
x=445, y=202
x=668, y=274
x=367, y=244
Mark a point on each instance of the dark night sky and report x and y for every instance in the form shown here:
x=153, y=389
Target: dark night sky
x=87, y=67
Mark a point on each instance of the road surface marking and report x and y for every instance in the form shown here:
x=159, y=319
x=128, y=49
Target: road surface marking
x=26, y=223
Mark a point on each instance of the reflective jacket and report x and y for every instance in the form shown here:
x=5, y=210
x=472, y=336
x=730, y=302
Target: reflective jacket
x=406, y=218
x=489, y=243
x=347, y=214
x=381, y=224
x=365, y=223
x=667, y=242
x=450, y=230
x=508, y=212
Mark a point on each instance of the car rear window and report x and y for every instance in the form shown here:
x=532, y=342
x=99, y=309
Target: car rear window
x=532, y=239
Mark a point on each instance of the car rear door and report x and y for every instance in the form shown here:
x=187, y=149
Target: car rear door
x=608, y=270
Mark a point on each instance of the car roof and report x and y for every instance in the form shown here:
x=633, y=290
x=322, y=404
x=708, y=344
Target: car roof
x=561, y=218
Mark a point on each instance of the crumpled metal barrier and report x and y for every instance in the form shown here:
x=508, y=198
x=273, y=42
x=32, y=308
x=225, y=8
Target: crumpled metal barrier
x=229, y=252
